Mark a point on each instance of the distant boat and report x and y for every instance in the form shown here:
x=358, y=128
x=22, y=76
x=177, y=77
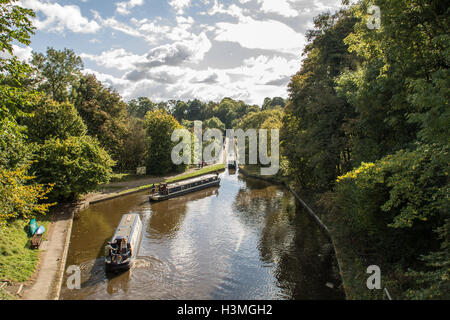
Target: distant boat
x=232, y=163
x=167, y=191
x=124, y=246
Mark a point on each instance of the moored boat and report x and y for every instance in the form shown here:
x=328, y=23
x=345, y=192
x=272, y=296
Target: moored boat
x=167, y=191
x=122, y=250
x=232, y=163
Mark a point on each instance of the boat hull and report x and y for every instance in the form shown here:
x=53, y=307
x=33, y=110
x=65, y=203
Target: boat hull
x=159, y=198
x=122, y=267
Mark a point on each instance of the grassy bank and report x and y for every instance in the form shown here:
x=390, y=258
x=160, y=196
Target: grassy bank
x=17, y=261
x=205, y=170
x=255, y=170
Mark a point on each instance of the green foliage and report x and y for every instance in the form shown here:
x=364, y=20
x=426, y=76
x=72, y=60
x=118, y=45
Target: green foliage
x=140, y=106
x=14, y=151
x=256, y=120
x=390, y=204
x=159, y=127
x=405, y=63
x=430, y=99
x=214, y=123
x=276, y=102
x=314, y=135
x=19, y=197
x=14, y=96
x=104, y=114
x=376, y=100
x=434, y=282
x=57, y=72
x=53, y=120
x=76, y=165
x=15, y=25
x=134, y=149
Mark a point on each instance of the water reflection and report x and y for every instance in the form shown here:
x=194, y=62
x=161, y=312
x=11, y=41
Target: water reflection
x=163, y=224
x=244, y=240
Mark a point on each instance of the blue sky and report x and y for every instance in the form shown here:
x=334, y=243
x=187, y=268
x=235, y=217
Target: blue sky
x=181, y=49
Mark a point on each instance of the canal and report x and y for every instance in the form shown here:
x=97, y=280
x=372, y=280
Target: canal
x=246, y=239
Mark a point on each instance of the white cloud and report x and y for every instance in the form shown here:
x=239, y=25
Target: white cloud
x=180, y=5
x=281, y=7
x=255, y=79
x=58, y=17
x=122, y=27
x=118, y=59
x=125, y=7
x=218, y=8
x=257, y=34
x=174, y=54
x=23, y=54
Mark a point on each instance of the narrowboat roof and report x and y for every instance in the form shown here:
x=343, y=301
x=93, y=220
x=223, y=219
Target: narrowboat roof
x=126, y=225
x=184, y=182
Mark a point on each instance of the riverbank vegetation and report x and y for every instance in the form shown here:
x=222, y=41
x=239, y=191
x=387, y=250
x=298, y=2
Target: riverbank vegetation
x=366, y=128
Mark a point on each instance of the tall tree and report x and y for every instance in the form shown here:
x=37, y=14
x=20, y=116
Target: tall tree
x=57, y=72
x=52, y=119
x=140, y=106
x=20, y=196
x=104, y=113
x=314, y=134
x=159, y=127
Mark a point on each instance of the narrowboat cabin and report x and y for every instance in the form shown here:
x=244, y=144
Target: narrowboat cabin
x=168, y=191
x=122, y=250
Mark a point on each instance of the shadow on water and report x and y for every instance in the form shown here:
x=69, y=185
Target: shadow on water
x=162, y=224
x=290, y=240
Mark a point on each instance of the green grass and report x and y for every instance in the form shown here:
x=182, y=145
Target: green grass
x=193, y=174
x=119, y=177
x=4, y=295
x=17, y=260
x=197, y=173
x=255, y=170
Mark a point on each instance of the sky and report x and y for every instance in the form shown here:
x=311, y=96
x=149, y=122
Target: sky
x=181, y=49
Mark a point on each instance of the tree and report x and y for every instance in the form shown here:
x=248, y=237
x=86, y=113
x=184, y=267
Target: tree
x=19, y=198
x=226, y=112
x=180, y=111
x=273, y=103
x=15, y=25
x=52, y=119
x=214, y=123
x=134, y=147
x=394, y=204
x=404, y=65
x=256, y=120
x=398, y=206
x=57, y=72
x=104, y=114
x=194, y=110
x=140, y=106
x=315, y=137
x=76, y=165
x=159, y=127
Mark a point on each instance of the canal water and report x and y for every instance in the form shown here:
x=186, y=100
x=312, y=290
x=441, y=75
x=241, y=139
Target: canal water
x=246, y=239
